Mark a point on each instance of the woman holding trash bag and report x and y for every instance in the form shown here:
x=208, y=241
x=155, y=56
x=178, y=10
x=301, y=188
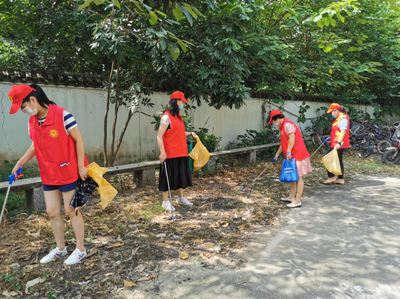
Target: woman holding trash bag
x=340, y=138
x=292, y=146
x=171, y=140
x=59, y=150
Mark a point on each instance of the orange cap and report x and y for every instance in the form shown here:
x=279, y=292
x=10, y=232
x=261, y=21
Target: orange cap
x=334, y=106
x=178, y=95
x=272, y=114
x=17, y=94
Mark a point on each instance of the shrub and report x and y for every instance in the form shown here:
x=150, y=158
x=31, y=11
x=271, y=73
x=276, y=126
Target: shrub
x=253, y=137
x=321, y=124
x=210, y=141
x=15, y=201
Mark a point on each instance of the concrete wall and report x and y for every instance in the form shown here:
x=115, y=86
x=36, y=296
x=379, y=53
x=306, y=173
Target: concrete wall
x=88, y=105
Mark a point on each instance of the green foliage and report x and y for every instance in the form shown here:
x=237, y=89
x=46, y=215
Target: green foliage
x=217, y=51
x=321, y=124
x=15, y=201
x=45, y=34
x=210, y=141
x=51, y=295
x=253, y=138
x=157, y=118
x=13, y=280
x=302, y=110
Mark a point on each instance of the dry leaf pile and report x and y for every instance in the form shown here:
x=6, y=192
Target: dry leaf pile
x=127, y=241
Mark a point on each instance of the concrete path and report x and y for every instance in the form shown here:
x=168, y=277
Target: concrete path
x=343, y=243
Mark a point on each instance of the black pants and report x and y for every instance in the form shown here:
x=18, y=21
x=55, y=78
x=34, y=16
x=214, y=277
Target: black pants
x=340, y=154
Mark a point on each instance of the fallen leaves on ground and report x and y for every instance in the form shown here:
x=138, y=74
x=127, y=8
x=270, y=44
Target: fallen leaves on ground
x=127, y=241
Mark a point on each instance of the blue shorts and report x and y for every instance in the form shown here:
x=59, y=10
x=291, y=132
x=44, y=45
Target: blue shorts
x=62, y=188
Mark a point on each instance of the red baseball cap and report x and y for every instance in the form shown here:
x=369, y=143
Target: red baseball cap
x=178, y=95
x=17, y=94
x=334, y=106
x=272, y=114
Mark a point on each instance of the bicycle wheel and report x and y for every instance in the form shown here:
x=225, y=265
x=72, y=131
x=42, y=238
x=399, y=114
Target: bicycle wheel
x=324, y=149
x=314, y=139
x=383, y=145
x=358, y=128
x=366, y=148
x=354, y=147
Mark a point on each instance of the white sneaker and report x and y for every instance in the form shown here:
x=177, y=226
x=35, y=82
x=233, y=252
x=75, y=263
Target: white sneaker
x=184, y=201
x=75, y=257
x=55, y=253
x=287, y=199
x=167, y=205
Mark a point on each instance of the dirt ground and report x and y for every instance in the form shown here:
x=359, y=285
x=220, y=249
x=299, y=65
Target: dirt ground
x=127, y=241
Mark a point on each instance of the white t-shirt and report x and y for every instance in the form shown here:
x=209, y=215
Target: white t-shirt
x=165, y=120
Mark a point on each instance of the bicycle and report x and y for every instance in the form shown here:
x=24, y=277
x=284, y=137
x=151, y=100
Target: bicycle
x=318, y=140
x=367, y=146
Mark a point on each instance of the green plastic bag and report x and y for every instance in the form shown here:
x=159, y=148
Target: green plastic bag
x=190, y=147
x=331, y=162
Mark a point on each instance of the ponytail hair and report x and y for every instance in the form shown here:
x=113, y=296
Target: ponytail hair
x=39, y=94
x=342, y=109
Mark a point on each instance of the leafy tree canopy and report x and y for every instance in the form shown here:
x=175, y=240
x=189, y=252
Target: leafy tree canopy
x=216, y=51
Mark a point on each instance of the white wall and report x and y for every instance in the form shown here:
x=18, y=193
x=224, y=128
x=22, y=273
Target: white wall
x=88, y=105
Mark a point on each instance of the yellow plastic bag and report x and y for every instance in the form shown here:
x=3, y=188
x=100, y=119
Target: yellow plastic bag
x=107, y=192
x=199, y=154
x=331, y=162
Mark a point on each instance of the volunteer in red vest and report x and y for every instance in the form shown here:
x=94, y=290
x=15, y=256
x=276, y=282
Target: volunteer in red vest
x=59, y=150
x=292, y=146
x=171, y=140
x=340, y=138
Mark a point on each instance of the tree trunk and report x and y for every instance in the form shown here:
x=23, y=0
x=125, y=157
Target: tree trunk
x=106, y=115
x=116, y=107
x=121, y=137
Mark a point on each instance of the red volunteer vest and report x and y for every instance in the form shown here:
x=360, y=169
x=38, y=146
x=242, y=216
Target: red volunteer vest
x=175, y=138
x=299, y=150
x=335, y=132
x=55, y=149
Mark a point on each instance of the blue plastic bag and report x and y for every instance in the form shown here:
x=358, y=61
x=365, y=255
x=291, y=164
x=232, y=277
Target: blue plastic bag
x=289, y=171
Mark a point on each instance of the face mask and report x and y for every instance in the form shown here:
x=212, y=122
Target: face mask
x=28, y=110
x=181, y=106
x=333, y=115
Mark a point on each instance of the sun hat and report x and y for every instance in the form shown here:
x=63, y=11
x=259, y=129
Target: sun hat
x=178, y=95
x=272, y=114
x=17, y=94
x=333, y=106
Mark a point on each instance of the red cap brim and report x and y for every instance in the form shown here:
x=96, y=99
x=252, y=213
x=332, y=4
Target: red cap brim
x=15, y=107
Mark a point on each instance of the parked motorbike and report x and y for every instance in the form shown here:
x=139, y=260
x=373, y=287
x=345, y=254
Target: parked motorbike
x=392, y=153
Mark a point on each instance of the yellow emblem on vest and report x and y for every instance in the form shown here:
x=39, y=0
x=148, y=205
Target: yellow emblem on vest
x=53, y=133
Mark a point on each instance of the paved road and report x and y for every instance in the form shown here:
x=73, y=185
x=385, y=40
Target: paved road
x=343, y=243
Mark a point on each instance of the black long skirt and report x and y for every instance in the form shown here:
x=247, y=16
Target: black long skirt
x=178, y=174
